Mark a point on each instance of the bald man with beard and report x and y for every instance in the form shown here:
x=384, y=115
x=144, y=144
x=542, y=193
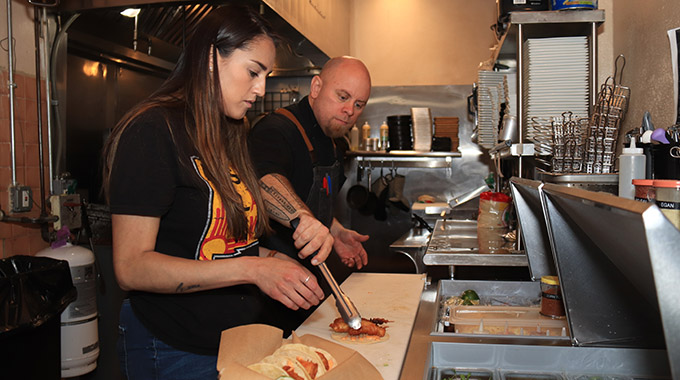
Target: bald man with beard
x=296, y=151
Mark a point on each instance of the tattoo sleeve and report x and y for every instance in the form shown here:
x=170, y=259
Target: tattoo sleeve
x=279, y=197
x=276, y=199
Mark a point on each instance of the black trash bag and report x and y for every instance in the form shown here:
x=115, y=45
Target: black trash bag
x=33, y=290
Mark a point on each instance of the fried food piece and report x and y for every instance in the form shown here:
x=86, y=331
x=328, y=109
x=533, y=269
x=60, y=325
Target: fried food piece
x=379, y=321
x=367, y=327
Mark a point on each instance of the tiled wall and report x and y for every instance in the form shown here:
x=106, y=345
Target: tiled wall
x=21, y=238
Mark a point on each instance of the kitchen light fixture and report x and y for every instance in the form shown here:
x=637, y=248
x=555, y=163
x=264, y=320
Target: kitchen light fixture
x=132, y=12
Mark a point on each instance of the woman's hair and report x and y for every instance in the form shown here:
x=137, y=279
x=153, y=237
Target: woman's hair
x=194, y=87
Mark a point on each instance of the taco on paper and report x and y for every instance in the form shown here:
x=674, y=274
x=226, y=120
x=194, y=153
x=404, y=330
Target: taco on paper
x=328, y=362
x=311, y=362
x=268, y=369
x=289, y=364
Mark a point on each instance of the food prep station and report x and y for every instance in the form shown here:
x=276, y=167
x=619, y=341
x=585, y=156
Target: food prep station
x=615, y=261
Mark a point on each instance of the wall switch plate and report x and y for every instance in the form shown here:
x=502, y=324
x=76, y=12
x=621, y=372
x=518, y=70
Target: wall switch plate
x=20, y=198
x=67, y=208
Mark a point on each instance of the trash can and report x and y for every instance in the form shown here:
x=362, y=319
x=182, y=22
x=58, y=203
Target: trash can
x=33, y=293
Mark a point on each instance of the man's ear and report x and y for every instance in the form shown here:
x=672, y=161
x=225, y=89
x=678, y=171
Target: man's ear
x=315, y=89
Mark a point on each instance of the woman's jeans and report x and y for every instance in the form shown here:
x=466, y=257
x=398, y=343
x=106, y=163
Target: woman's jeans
x=144, y=357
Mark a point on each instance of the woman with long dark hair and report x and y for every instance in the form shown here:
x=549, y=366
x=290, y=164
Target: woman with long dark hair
x=186, y=207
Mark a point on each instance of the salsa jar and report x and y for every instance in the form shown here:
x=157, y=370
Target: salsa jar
x=551, y=297
x=644, y=190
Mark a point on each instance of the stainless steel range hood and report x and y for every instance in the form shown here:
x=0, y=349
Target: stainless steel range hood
x=163, y=26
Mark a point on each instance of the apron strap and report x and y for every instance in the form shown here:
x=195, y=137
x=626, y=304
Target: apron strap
x=289, y=115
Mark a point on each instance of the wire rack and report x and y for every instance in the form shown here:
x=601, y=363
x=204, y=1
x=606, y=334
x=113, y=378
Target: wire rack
x=605, y=121
x=559, y=143
x=583, y=145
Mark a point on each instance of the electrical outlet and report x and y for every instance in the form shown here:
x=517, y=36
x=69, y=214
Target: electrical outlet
x=67, y=208
x=20, y=198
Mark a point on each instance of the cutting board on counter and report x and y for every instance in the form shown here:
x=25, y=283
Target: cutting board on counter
x=376, y=295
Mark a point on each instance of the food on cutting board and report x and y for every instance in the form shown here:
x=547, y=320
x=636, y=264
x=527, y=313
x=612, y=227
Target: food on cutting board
x=467, y=297
x=295, y=361
x=371, y=331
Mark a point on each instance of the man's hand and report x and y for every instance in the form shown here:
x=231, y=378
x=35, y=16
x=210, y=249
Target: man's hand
x=347, y=244
x=311, y=236
x=283, y=205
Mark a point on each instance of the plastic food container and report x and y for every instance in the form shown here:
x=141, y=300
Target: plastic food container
x=551, y=297
x=668, y=199
x=644, y=190
x=460, y=373
x=504, y=320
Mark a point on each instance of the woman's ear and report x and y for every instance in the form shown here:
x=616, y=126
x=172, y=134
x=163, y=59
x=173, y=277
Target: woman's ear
x=210, y=58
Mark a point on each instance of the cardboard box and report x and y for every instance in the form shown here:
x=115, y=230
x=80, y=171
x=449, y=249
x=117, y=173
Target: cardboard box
x=245, y=345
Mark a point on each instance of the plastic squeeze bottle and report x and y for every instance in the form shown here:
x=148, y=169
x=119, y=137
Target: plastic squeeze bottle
x=631, y=166
x=365, y=134
x=384, y=135
x=354, y=138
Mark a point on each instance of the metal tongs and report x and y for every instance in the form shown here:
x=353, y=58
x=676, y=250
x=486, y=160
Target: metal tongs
x=348, y=311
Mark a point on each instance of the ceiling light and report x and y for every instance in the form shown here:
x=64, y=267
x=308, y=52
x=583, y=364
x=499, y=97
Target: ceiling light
x=130, y=12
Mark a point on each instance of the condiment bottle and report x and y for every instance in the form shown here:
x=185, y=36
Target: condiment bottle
x=354, y=138
x=365, y=134
x=384, y=135
x=551, y=297
x=631, y=166
x=365, y=131
x=668, y=199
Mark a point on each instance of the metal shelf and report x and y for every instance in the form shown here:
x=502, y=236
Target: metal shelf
x=525, y=25
x=556, y=17
x=405, y=159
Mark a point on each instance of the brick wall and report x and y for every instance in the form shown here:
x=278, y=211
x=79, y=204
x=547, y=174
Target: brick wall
x=20, y=238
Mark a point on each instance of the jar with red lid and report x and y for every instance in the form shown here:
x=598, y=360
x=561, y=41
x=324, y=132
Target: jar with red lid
x=668, y=199
x=644, y=190
x=551, y=297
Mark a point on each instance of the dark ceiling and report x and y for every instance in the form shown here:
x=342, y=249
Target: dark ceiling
x=163, y=28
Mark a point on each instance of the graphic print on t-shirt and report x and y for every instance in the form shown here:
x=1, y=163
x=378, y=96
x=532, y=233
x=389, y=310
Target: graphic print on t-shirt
x=216, y=241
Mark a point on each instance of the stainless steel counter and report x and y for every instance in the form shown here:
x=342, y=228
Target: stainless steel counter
x=428, y=355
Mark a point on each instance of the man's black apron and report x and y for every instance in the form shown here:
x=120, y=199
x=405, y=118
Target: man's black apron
x=325, y=185
x=326, y=179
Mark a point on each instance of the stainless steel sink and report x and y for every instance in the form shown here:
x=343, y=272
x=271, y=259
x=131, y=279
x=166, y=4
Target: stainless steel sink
x=414, y=238
x=413, y=245
x=457, y=242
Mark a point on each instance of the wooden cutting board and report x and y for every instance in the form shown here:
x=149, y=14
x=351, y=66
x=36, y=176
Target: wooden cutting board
x=375, y=295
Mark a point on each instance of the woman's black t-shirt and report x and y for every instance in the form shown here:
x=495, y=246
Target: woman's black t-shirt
x=157, y=175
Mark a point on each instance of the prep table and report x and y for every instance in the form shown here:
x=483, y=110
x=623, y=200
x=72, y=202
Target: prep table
x=617, y=262
x=431, y=354
x=376, y=295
